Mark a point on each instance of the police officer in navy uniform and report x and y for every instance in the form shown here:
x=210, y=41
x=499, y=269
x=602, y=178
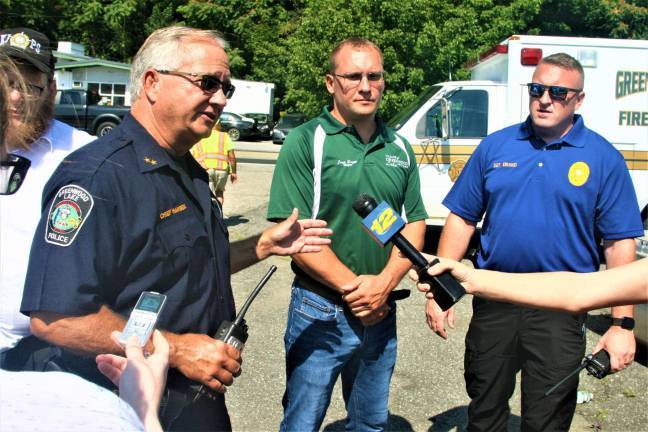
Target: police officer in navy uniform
x=132, y=212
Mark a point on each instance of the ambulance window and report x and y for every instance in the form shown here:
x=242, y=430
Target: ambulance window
x=427, y=126
x=469, y=114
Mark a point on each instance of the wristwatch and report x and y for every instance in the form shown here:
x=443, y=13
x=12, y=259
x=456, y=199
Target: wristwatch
x=625, y=322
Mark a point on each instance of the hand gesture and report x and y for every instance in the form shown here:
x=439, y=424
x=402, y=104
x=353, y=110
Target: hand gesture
x=293, y=236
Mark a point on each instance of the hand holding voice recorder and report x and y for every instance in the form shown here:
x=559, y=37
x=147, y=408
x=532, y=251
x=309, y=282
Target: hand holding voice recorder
x=142, y=319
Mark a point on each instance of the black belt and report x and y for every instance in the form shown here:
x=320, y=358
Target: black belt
x=320, y=289
x=334, y=297
x=180, y=392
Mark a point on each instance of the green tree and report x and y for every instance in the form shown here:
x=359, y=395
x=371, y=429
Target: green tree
x=287, y=42
x=423, y=41
x=114, y=30
x=43, y=15
x=593, y=18
x=257, y=31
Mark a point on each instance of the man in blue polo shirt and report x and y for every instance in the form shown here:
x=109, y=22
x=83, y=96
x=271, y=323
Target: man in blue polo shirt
x=546, y=186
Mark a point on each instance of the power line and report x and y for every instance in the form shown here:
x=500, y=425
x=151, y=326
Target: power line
x=33, y=15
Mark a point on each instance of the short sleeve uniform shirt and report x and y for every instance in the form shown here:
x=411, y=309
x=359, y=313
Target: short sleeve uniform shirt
x=544, y=203
x=121, y=216
x=384, y=168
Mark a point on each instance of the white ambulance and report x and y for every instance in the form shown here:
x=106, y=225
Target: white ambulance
x=447, y=122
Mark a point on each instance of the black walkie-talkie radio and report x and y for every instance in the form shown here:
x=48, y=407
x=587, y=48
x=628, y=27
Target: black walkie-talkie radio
x=597, y=365
x=236, y=333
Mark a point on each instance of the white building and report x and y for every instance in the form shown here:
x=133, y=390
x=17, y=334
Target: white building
x=76, y=70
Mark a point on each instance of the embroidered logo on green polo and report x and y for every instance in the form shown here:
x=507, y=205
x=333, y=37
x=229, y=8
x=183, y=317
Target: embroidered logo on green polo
x=71, y=207
x=578, y=173
x=348, y=163
x=395, y=161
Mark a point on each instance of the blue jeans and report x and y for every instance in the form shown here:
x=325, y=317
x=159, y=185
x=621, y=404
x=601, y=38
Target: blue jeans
x=324, y=340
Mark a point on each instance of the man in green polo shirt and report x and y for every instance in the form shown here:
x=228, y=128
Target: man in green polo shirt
x=340, y=320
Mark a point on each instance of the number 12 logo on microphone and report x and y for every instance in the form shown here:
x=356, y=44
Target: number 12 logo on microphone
x=382, y=223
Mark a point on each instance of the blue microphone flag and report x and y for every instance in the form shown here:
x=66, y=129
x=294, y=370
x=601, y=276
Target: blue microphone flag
x=382, y=223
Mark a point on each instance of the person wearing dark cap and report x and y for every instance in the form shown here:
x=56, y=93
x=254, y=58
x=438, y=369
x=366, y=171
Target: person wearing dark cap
x=31, y=51
x=63, y=400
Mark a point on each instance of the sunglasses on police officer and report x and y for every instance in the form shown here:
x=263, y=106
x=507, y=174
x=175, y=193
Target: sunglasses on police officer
x=555, y=92
x=207, y=83
x=13, y=171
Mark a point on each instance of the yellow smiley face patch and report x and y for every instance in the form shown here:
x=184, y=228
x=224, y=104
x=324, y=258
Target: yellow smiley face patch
x=578, y=173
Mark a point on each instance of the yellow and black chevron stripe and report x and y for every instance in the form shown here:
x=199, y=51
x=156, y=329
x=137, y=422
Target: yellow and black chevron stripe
x=449, y=154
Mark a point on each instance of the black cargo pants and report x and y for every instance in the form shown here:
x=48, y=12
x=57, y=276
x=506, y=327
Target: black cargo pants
x=544, y=345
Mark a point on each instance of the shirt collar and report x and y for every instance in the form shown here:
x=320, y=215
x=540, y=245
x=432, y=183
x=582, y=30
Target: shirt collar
x=332, y=126
x=575, y=137
x=44, y=143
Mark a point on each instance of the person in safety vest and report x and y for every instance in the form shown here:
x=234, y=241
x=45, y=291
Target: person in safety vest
x=216, y=155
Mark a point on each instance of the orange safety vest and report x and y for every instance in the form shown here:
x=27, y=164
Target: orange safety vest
x=210, y=152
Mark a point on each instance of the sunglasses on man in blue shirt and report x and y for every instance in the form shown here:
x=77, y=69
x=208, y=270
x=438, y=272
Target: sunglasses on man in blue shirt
x=555, y=92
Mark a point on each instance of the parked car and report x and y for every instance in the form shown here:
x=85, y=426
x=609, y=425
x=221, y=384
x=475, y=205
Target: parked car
x=80, y=110
x=285, y=124
x=238, y=126
x=264, y=124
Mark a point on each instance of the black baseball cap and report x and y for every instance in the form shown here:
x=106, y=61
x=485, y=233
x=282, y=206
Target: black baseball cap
x=29, y=45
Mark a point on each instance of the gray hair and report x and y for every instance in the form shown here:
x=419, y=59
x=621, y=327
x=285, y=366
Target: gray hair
x=564, y=61
x=162, y=49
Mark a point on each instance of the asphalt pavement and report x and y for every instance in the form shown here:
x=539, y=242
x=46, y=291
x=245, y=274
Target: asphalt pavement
x=427, y=390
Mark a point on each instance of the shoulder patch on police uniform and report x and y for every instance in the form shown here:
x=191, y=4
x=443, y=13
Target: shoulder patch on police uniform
x=71, y=207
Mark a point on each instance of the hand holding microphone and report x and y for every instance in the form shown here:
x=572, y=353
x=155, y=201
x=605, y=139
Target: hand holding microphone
x=384, y=224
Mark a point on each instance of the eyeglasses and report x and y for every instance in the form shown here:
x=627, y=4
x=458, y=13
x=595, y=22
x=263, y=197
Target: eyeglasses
x=355, y=78
x=31, y=89
x=207, y=83
x=555, y=92
x=13, y=171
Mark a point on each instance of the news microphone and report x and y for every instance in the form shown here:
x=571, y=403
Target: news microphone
x=236, y=333
x=384, y=225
